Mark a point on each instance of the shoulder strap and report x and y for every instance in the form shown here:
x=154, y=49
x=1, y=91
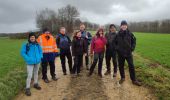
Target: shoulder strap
x=27, y=47
x=38, y=46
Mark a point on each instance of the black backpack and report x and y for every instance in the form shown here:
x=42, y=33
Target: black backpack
x=27, y=47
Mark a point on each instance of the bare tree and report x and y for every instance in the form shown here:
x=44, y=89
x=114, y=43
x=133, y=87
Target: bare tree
x=47, y=19
x=67, y=16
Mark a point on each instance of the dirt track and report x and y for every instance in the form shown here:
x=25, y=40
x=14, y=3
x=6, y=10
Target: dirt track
x=87, y=88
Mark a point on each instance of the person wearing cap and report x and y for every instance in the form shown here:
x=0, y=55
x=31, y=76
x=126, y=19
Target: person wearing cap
x=50, y=51
x=111, y=50
x=64, y=44
x=125, y=44
x=97, y=49
x=32, y=54
x=87, y=39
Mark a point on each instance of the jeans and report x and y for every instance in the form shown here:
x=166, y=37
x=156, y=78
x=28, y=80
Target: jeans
x=32, y=69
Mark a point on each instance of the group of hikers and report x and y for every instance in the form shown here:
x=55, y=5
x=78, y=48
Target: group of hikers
x=117, y=46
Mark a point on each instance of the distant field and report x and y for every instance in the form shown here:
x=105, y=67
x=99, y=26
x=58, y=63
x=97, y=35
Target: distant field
x=154, y=46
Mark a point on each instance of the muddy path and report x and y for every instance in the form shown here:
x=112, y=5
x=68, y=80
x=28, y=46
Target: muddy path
x=87, y=88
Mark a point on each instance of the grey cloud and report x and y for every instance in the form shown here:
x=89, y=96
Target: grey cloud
x=19, y=15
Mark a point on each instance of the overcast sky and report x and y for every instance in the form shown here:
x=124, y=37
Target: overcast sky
x=19, y=15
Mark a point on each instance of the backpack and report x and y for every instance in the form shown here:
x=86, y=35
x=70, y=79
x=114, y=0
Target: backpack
x=65, y=42
x=28, y=47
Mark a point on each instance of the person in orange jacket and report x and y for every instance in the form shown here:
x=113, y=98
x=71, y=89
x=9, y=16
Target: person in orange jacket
x=49, y=47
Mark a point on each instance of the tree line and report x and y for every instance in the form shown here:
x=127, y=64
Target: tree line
x=68, y=16
x=161, y=26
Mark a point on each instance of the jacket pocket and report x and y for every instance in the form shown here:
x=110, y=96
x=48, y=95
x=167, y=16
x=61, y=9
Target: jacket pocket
x=30, y=60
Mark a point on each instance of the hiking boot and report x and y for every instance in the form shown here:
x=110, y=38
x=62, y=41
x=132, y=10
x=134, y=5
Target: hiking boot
x=107, y=73
x=100, y=75
x=115, y=74
x=87, y=68
x=71, y=72
x=64, y=73
x=36, y=86
x=137, y=83
x=121, y=80
x=28, y=92
x=46, y=80
x=54, y=78
x=89, y=74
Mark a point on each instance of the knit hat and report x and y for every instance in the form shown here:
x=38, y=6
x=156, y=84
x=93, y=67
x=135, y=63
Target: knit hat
x=112, y=25
x=32, y=34
x=123, y=23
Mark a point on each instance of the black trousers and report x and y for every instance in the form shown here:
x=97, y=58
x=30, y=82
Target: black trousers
x=86, y=57
x=44, y=69
x=77, y=63
x=63, y=61
x=108, y=57
x=129, y=59
x=97, y=56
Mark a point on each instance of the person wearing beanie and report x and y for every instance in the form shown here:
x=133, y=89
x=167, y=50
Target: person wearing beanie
x=111, y=50
x=49, y=47
x=32, y=54
x=97, y=49
x=78, y=50
x=64, y=44
x=125, y=44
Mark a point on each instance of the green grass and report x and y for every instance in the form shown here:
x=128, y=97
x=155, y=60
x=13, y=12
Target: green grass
x=155, y=47
x=12, y=70
x=153, y=76
x=152, y=59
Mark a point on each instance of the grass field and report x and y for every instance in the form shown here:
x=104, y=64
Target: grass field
x=12, y=71
x=155, y=47
x=151, y=58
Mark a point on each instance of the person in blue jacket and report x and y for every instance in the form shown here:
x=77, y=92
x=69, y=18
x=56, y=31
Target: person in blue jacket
x=32, y=54
x=87, y=37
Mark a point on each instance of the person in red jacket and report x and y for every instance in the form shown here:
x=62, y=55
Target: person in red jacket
x=97, y=49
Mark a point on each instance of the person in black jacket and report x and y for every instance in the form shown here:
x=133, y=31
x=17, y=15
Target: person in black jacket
x=126, y=42
x=64, y=43
x=111, y=50
x=78, y=49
